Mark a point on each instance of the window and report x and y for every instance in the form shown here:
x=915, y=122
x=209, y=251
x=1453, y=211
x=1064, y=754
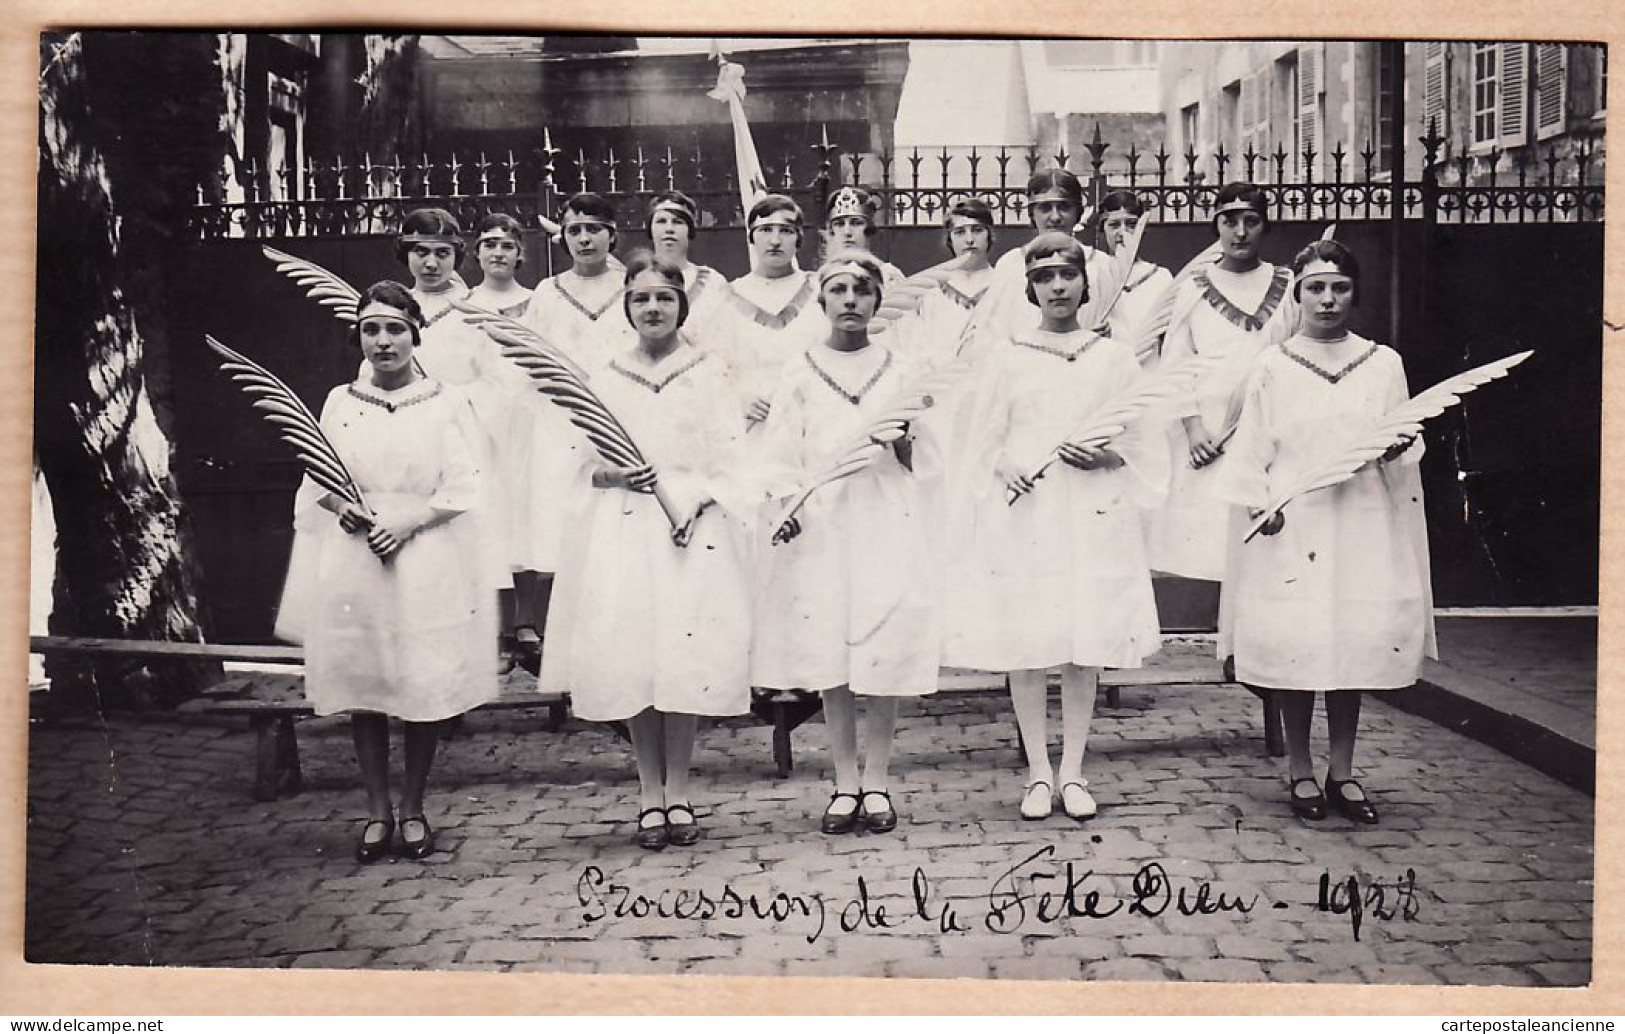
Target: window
x=1231, y=118
x=1551, y=89
x=1311, y=88
x=1382, y=107
x=1486, y=99
x=1285, y=101
x=1189, y=124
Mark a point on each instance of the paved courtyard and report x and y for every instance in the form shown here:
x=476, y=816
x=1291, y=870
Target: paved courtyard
x=146, y=849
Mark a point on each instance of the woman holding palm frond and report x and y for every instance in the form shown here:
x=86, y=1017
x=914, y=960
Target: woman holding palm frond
x=849, y=604
x=651, y=623
x=1052, y=572
x=381, y=598
x=1335, y=596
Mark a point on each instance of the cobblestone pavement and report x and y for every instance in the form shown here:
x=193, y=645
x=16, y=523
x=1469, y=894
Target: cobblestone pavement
x=145, y=849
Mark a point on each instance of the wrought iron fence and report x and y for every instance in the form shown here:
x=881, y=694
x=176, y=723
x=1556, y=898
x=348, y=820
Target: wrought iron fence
x=363, y=197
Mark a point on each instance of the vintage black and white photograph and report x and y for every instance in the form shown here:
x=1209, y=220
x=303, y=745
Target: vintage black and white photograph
x=1014, y=509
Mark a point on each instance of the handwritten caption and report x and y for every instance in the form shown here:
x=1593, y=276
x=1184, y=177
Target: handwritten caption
x=1039, y=890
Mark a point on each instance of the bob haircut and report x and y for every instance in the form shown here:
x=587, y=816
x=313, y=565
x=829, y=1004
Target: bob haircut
x=1246, y=193
x=508, y=225
x=1335, y=252
x=968, y=208
x=867, y=260
x=1122, y=201
x=434, y=222
x=645, y=261
x=396, y=296
x=1047, y=245
x=1057, y=179
x=666, y=200
x=768, y=204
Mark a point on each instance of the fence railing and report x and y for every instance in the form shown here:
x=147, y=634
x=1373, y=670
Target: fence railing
x=361, y=197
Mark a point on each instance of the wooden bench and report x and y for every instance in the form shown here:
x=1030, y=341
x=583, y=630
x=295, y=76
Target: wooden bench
x=270, y=700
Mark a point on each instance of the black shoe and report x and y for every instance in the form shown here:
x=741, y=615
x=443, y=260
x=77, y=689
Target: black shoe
x=1311, y=808
x=420, y=848
x=882, y=821
x=836, y=824
x=651, y=838
x=682, y=834
x=368, y=849
x=1361, y=811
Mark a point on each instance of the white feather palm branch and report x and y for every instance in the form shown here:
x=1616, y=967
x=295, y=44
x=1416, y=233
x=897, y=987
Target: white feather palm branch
x=906, y=297
x=323, y=286
x=1401, y=422
x=553, y=374
x=1112, y=417
x=1123, y=260
x=908, y=403
x=294, y=423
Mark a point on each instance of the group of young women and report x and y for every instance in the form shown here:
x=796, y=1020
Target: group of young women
x=983, y=536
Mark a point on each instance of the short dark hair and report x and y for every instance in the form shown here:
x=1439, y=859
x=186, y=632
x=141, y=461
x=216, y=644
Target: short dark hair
x=967, y=208
x=1058, y=179
x=681, y=201
x=644, y=261
x=1122, y=201
x=507, y=224
x=1335, y=252
x=1057, y=243
x=1249, y=194
x=395, y=295
x=430, y=221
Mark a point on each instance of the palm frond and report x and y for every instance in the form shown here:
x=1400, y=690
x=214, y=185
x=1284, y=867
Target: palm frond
x=294, y=423
x=1112, y=417
x=905, y=297
x=1403, y=421
x=1162, y=317
x=1123, y=259
x=552, y=373
x=320, y=284
x=909, y=402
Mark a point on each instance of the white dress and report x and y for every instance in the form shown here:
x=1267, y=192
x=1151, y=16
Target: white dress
x=1341, y=597
x=416, y=637
x=458, y=354
x=1059, y=576
x=768, y=323
x=853, y=600
x=1219, y=315
x=1146, y=284
x=637, y=622
x=708, y=301
x=584, y=318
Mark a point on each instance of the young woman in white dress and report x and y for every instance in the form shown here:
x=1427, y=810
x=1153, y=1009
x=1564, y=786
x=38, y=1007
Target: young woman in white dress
x=1117, y=218
x=391, y=622
x=850, y=225
x=673, y=218
x=1334, y=596
x=1220, y=313
x=1052, y=574
x=774, y=312
x=934, y=333
x=849, y=605
x=499, y=249
x=651, y=625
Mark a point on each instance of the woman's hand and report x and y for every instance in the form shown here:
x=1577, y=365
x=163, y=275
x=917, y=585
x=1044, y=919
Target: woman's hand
x=787, y=531
x=632, y=479
x=684, y=533
x=1396, y=450
x=1019, y=484
x=1271, y=527
x=757, y=411
x=1204, y=449
x=1089, y=457
x=391, y=530
x=353, y=518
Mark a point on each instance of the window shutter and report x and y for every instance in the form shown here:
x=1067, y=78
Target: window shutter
x=1514, y=94
x=1436, y=92
x=1310, y=87
x=1551, y=89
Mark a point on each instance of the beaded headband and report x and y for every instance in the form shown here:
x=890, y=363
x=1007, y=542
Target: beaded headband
x=1055, y=261
x=779, y=217
x=632, y=285
x=688, y=212
x=372, y=309
x=1238, y=205
x=831, y=270
x=497, y=233
x=849, y=201
x=430, y=238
